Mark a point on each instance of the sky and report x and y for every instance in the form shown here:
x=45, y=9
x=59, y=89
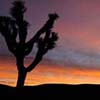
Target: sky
x=78, y=27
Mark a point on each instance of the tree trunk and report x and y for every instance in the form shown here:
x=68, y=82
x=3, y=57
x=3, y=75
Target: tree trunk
x=21, y=78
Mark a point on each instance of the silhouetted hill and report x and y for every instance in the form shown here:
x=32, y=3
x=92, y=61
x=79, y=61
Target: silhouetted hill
x=49, y=92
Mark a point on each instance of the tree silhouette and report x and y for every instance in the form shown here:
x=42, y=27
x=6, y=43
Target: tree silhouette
x=16, y=26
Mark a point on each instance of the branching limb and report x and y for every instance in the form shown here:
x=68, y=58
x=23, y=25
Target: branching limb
x=44, y=44
x=47, y=26
x=9, y=32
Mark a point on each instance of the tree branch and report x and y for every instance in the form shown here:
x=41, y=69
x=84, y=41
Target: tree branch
x=9, y=32
x=40, y=52
x=47, y=26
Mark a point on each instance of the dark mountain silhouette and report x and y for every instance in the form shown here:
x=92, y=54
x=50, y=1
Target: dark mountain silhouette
x=50, y=91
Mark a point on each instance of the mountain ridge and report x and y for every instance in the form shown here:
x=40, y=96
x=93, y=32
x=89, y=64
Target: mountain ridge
x=49, y=90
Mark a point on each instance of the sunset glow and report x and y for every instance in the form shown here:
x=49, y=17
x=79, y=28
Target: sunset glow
x=47, y=73
x=76, y=58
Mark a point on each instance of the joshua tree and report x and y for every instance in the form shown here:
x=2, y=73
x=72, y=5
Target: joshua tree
x=15, y=26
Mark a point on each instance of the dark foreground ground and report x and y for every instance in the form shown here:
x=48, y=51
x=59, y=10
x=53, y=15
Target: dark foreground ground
x=50, y=92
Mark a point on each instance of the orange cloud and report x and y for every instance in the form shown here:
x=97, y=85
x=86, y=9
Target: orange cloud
x=49, y=73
